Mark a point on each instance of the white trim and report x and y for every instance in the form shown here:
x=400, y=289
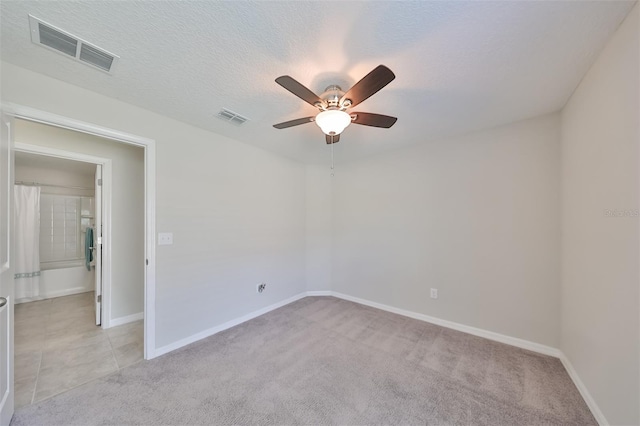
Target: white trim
x=217, y=329
x=513, y=341
x=126, y=319
x=44, y=117
x=59, y=153
x=588, y=399
x=320, y=293
x=107, y=196
x=150, y=251
x=107, y=177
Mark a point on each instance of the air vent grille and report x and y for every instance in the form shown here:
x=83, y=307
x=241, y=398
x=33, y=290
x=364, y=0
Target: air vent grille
x=231, y=117
x=57, y=40
x=48, y=36
x=95, y=57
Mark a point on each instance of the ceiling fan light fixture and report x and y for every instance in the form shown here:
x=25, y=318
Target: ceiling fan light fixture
x=333, y=121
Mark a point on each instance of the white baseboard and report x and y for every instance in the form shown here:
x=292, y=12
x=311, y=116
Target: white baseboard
x=509, y=340
x=320, y=293
x=211, y=331
x=125, y=320
x=54, y=294
x=513, y=341
x=591, y=403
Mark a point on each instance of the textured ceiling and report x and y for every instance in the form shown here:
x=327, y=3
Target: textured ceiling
x=460, y=66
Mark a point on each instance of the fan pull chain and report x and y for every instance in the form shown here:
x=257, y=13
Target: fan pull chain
x=332, y=174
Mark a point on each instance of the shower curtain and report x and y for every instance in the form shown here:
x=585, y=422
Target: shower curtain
x=27, y=241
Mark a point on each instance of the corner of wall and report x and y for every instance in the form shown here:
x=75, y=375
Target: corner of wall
x=600, y=299
x=318, y=228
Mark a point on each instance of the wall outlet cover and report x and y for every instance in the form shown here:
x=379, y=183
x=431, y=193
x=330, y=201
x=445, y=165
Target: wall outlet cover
x=165, y=238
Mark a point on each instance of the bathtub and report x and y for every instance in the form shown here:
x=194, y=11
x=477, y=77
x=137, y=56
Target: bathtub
x=63, y=282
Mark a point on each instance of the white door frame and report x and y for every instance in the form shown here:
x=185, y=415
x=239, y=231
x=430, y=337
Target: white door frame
x=7, y=284
x=107, y=182
x=35, y=115
x=99, y=218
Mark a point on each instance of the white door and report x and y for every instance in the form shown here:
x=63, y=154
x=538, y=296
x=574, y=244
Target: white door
x=6, y=271
x=97, y=243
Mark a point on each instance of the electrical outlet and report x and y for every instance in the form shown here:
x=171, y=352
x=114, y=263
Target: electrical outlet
x=261, y=287
x=434, y=293
x=165, y=238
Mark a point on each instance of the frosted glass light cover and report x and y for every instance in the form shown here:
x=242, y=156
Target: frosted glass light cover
x=333, y=122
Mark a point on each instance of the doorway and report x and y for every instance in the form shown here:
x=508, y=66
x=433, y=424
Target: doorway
x=57, y=343
x=10, y=113
x=148, y=147
x=58, y=226
x=71, y=214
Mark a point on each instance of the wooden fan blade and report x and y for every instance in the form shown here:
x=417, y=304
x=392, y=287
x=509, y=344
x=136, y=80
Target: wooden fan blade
x=374, y=120
x=295, y=122
x=332, y=139
x=369, y=85
x=298, y=89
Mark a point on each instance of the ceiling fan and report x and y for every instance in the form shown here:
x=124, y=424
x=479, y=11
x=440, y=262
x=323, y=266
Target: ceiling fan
x=333, y=104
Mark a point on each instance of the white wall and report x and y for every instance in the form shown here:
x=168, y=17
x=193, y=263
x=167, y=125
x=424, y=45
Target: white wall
x=477, y=217
x=318, y=228
x=237, y=212
x=27, y=173
x=600, y=315
x=127, y=206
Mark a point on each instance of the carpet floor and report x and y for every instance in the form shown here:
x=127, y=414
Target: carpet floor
x=323, y=360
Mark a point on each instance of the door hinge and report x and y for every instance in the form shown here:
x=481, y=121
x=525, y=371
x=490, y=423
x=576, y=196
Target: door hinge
x=99, y=298
x=147, y=262
x=99, y=182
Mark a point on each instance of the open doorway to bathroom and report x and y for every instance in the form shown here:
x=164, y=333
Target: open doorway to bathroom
x=55, y=225
x=65, y=333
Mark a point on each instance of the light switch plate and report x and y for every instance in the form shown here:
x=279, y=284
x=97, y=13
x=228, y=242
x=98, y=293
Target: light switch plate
x=165, y=238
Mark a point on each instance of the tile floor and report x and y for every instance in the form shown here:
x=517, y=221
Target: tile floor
x=58, y=347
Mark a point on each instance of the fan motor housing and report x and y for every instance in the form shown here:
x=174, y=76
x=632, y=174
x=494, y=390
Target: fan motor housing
x=332, y=95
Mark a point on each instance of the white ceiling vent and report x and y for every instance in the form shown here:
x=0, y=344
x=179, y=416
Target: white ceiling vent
x=231, y=117
x=60, y=41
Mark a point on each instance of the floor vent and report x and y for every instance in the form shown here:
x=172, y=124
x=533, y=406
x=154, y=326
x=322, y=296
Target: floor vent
x=50, y=37
x=231, y=117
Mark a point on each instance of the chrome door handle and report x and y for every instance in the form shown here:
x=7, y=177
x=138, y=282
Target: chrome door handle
x=3, y=301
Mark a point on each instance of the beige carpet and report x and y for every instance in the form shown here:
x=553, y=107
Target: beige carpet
x=323, y=360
